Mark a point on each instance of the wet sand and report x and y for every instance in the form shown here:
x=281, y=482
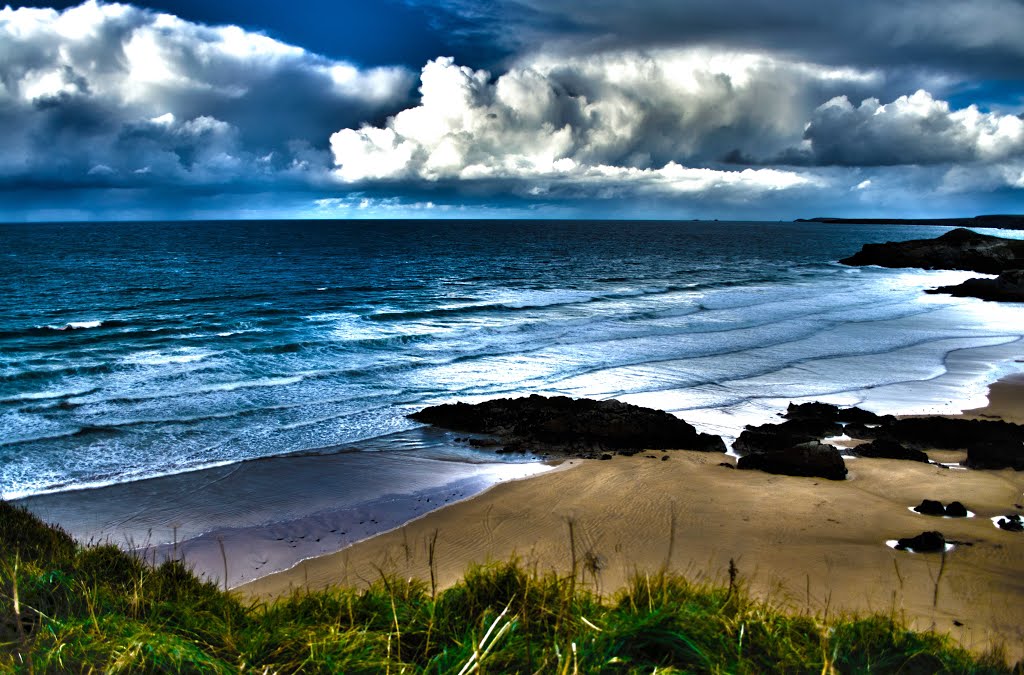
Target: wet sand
x=245, y=520
x=1005, y=401
x=807, y=544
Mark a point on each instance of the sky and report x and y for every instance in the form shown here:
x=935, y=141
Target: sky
x=675, y=109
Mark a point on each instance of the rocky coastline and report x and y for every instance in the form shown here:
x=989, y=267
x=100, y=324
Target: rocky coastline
x=582, y=428
x=1001, y=221
x=958, y=249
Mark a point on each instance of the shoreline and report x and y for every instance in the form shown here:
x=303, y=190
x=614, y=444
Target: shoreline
x=266, y=515
x=806, y=544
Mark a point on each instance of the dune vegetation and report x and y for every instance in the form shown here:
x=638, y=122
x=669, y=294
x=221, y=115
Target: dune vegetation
x=71, y=608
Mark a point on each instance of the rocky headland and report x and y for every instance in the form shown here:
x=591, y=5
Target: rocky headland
x=1004, y=221
x=958, y=249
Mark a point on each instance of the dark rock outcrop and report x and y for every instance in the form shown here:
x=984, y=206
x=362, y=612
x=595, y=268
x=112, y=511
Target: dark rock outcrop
x=859, y=416
x=1007, y=287
x=1011, y=523
x=930, y=507
x=774, y=437
x=580, y=427
x=958, y=249
x=990, y=444
x=950, y=432
x=812, y=459
x=996, y=454
x=827, y=412
x=861, y=431
x=887, y=448
x=926, y=542
x=956, y=510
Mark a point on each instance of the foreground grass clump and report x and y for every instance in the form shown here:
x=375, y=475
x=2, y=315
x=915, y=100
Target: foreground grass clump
x=65, y=608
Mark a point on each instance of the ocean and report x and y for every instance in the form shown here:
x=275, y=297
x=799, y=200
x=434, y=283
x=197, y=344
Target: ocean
x=137, y=350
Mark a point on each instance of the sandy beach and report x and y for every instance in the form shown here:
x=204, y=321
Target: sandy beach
x=808, y=544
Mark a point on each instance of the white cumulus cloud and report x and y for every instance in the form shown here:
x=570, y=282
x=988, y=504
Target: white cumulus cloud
x=656, y=120
x=111, y=94
x=915, y=129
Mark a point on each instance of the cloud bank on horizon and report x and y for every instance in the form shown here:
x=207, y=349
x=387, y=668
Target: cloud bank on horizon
x=660, y=109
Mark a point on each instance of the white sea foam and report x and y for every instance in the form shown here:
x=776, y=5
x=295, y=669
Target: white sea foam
x=245, y=384
x=158, y=358
x=44, y=395
x=76, y=325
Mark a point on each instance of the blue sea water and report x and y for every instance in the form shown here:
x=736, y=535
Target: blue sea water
x=133, y=350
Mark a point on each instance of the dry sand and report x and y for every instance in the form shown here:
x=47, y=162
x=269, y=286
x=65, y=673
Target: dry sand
x=804, y=543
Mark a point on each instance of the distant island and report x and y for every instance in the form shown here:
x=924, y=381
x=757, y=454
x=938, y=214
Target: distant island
x=1005, y=221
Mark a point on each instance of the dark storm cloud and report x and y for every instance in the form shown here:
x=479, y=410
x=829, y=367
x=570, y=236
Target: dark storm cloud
x=114, y=95
x=979, y=39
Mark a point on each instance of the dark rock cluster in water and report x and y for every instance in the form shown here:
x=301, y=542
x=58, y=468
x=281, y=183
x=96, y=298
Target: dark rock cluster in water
x=958, y=249
x=931, y=507
x=926, y=542
x=793, y=447
x=1011, y=523
x=1007, y=287
x=990, y=444
x=578, y=427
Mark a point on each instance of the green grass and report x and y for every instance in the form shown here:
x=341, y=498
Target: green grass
x=65, y=608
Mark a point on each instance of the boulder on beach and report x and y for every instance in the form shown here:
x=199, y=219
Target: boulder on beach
x=956, y=510
x=576, y=426
x=930, y=507
x=811, y=459
x=958, y=249
x=1007, y=287
x=926, y=542
x=887, y=448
